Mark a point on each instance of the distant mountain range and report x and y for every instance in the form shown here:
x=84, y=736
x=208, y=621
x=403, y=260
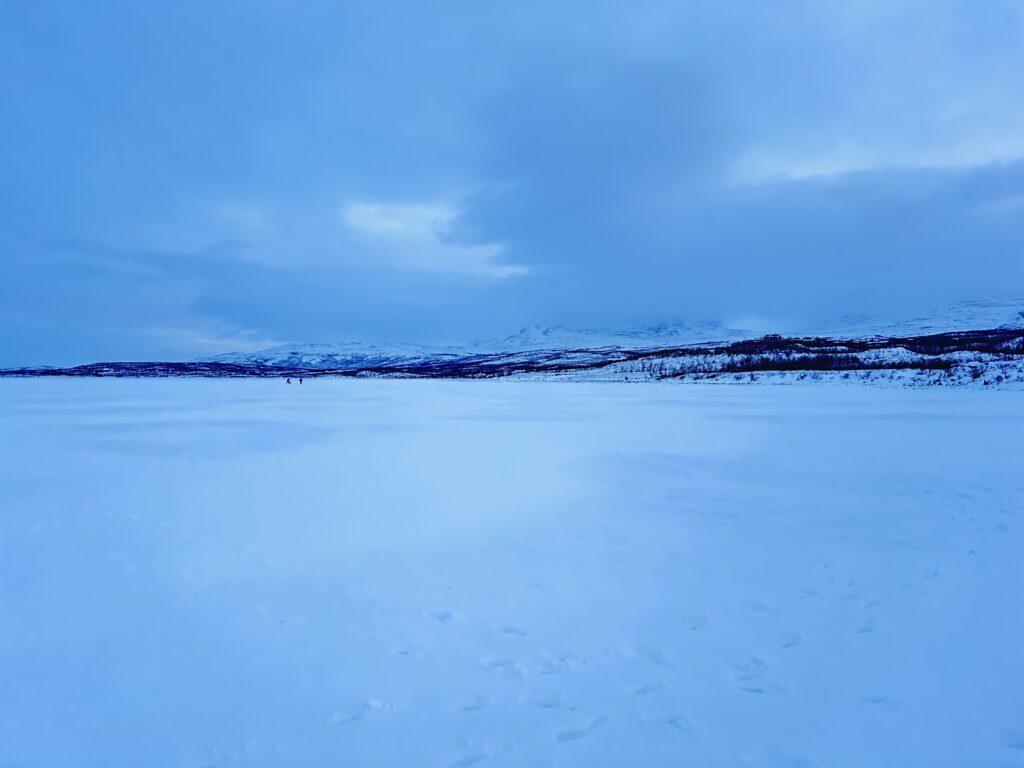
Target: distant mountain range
x=1007, y=312
x=967, y=315
x=529, y=339
x=976, y=342
x=668, y=334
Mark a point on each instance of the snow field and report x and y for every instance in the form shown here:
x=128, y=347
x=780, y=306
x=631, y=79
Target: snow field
x=426, y=573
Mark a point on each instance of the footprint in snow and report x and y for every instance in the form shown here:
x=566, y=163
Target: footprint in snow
x=790, y=640
x=654, y=656
x=553, y=664
x=887, y=701
x=572, y=734
x=652, y=687
x=478, y=752
x=765, y=610
x=553, y=702
x=443, y=617
x=776, y=690
x=749, y=670
x=343, y=717
x=508, y=629
x=680, y=723
x=748, y=677
x=479, y=702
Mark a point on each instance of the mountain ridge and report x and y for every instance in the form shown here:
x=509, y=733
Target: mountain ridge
x=982, y=314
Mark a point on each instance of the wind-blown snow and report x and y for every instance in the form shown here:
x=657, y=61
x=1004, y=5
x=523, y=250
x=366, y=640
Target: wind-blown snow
x=429, y=573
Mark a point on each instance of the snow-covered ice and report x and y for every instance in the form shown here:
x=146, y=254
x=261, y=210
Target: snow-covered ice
x=206, y=573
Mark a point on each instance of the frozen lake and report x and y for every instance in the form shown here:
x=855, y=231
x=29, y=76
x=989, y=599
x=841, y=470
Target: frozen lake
x=206, y=573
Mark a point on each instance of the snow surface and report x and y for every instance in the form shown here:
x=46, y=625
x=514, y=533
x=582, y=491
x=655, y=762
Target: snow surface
x=201, y=573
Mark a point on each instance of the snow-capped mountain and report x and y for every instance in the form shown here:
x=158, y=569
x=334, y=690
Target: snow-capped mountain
x=531, y=338
x=339, y=355
x=671, y=334
x=970, y=343
x=982, y=314
x=561, y=341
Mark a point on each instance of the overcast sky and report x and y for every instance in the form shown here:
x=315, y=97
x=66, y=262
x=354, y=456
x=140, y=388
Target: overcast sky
x=179, y=179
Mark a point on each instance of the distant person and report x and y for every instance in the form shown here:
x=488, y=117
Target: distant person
x=300, y=380
x=288, y=380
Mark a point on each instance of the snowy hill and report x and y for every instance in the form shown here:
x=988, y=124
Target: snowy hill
x=968, y=342
x=530, y=338
x=336, y=355
x=982, y=314
x=670, y=334
x=968, y=315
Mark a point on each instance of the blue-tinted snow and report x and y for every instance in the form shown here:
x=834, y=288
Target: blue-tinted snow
x=201, y=573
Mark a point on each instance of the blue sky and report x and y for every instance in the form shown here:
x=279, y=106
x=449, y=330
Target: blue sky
x=182, y=179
